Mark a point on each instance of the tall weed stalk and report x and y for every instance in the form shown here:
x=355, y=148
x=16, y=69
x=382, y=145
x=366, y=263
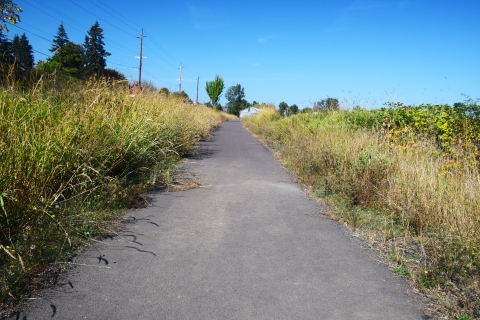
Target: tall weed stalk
x=412, y=181
x=71, y=156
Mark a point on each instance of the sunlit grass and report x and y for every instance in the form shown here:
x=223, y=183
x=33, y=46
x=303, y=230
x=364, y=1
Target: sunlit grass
x=423, y=201
x=73, y=157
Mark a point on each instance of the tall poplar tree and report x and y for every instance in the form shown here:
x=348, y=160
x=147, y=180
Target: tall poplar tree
x=95, y=53
x=60, y=39
x=214, y=89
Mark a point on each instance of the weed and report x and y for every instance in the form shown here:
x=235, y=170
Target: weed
x=73, y=156
x=401, y=271
x=410, y=173
x=460, y=316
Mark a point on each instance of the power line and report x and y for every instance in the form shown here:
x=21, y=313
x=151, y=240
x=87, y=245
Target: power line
x=15, y=25
x=52, y=42
x=155, y=53
x=56, y=11
x=111, y=42
x=101, y=18
x=169, y=83
x=110, y=62
x=29, y=25
x=164, y=51
x=150, y=63
x=191, y=74
x=113, y=45
x=41, y=53
x=119, y=15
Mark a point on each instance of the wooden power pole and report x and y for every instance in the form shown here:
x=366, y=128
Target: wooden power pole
x=180, y=85
x=198, y=79
x=140, y=67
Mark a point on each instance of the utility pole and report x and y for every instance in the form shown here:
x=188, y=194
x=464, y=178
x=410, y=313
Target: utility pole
x=180, y=86
x=141, y=57
x=198, y=79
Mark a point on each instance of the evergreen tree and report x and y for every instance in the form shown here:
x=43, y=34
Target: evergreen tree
x=60, y=39
x=95, y=53
x=5, y=57
x=5, y=50
x=70, y=58
x=23, y=53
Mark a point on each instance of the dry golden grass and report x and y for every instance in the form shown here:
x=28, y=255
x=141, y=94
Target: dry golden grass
x=412, y=194
x=72, y=156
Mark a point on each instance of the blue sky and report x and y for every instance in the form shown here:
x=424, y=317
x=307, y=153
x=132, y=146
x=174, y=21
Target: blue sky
x=360, y=52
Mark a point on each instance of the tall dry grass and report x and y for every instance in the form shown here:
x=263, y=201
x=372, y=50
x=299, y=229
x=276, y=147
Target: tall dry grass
x=73, y=155
x=425, y=202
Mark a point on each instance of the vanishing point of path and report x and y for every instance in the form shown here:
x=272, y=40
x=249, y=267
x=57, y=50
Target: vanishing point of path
x=248, y=245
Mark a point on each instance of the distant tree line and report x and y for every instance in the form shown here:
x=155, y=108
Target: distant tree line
x=68, y=59
x=182, y=95
x=286, y=110
x=235, y=96
x=325, y=105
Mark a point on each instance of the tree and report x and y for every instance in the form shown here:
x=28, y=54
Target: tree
x=293, y=109
x=165, y=92
x=5, y=50
x=283, y=108
x=6, y=57
x=60, y=40
x=236, y=99
x=183, y=96
x=23, y=53
x=113, y=74
x=95, y=53
x=214, y=89
x=8, y=11
x=286, y=110
x=329, y=104
x=67, y=59
x=148, y=85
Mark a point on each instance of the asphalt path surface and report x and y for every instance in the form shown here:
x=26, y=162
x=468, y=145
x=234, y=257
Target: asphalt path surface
x=247, y=245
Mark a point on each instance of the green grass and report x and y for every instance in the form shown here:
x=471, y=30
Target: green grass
x=401, y=271
x=408, y=177
x=73, y=157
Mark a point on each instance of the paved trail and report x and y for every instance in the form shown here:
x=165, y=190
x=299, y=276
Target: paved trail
x=248, y=246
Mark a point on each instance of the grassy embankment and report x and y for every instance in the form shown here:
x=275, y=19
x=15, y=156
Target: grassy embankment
x=72, y=158
x=407, y=178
